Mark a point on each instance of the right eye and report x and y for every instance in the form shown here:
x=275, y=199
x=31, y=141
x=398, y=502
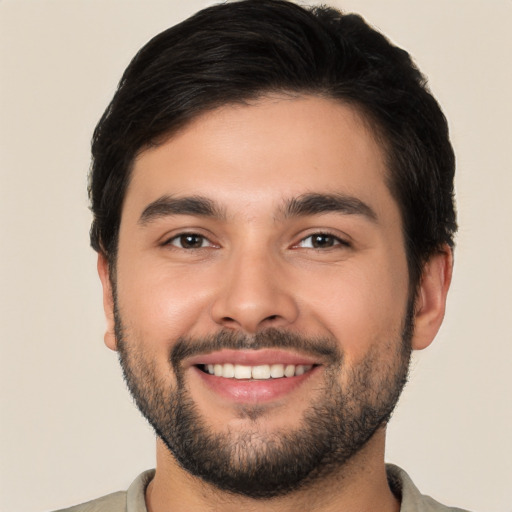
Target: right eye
x=189, y=241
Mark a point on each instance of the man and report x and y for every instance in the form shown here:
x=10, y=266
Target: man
x=272, y=190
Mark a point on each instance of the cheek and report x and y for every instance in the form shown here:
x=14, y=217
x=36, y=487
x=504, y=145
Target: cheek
x=360, y=305
x=159, y=303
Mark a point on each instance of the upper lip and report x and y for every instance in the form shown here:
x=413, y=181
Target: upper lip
x=252, y=357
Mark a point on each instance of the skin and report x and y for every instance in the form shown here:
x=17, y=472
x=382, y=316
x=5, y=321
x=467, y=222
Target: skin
x=257, y=269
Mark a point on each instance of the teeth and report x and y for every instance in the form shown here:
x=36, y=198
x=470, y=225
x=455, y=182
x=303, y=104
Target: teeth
x=261, y=372
x=289, y=371
x=228, y=370
x=277, y=371
x=242, y=372
x=299, y=370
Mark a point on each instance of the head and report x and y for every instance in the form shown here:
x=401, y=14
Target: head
x=205, y=127
x=236, y=52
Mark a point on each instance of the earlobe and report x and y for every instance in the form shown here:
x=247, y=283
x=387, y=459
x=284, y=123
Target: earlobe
x=431, y=298
x=108, y=301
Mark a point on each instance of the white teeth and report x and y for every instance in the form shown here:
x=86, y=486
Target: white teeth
x=242, y=372
x=228, y=370
x=260, y=372
x=289, y=371
x=277, y=371
x=299, y=370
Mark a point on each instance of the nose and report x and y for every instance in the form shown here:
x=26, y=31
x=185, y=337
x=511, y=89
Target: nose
x=254, y=294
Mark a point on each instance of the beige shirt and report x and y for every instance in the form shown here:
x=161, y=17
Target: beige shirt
x=133, y=500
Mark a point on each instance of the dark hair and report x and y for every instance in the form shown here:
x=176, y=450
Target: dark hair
x=238, y=51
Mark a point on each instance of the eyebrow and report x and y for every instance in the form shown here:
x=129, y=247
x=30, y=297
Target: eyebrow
x=314, y=204
x=191, y=205
x=304, y=205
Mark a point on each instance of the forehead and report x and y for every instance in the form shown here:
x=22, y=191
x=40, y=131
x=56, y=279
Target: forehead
x=263, y=153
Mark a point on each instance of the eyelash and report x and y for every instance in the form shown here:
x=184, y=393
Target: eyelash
x=336, y=241
x=182, y=236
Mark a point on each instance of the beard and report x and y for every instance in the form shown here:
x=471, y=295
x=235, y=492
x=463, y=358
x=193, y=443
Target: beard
x=255, y=463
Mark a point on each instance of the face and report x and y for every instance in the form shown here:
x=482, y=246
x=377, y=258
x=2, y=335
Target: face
x=261, y=295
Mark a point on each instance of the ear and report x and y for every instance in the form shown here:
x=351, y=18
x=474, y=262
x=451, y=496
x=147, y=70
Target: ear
x=108, y=301
x=431, y=298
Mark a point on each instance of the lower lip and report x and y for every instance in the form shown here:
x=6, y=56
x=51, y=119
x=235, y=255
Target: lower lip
x=253, y=391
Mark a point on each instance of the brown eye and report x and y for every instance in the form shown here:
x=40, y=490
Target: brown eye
x=189, y=241
x=322, y=241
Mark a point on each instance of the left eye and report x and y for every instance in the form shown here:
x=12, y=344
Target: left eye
x=189, y=241
x=321, y=241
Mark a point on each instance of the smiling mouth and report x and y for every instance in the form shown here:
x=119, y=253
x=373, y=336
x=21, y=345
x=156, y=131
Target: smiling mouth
x=258, y=372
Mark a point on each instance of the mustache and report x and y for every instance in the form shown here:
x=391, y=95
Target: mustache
x=324, y=347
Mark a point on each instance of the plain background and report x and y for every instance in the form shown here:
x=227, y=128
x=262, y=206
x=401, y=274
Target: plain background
x=69, y=431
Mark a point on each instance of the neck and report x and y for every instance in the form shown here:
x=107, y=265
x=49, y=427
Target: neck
x=360, y=485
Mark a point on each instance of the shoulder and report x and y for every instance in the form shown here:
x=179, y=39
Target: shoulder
x=411, y=498
x=132, y=500
x=115, y=502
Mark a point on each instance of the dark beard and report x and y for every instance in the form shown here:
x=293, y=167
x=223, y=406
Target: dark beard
x=263, y=465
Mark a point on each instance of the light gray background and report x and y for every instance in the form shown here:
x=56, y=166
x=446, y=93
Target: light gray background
x=69, y=431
